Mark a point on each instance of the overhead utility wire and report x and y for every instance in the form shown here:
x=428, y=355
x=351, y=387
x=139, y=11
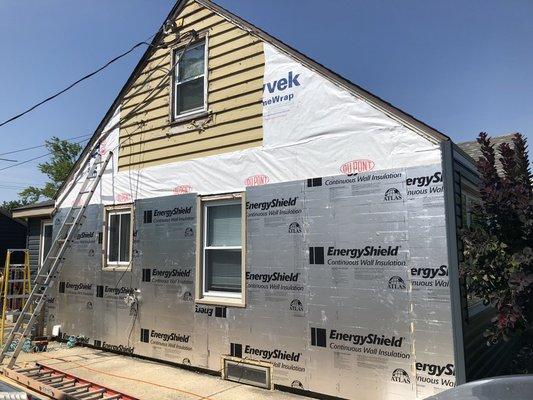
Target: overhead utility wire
x=35, y=158
x=79, y=80
x=39, y=146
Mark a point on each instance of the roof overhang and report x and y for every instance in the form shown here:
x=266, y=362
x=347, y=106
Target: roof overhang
x=45, y=211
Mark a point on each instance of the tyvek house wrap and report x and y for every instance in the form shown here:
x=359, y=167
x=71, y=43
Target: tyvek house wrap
x=347, y=286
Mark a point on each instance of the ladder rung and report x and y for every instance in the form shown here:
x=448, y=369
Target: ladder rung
x=74, y=389
x=17, y=280
x=21, y=371
x=91, y=393
x=63, y=383
x=17, y=296
x=17, y=265
x=114, y=397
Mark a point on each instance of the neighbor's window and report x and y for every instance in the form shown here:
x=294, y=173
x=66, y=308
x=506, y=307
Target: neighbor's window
x=46, y=240
x=222, y=250
x=190, y=80
x=119, y=237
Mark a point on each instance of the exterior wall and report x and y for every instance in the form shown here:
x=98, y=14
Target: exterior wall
x=12, y=236
x=235, y=83
x=34, y=243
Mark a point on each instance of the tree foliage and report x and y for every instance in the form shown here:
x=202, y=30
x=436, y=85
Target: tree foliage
x=498, y=262
x=63, y=155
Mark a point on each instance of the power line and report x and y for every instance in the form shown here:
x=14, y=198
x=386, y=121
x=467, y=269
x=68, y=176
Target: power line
x=35, y=158
x=41, y=145
x=79, y=81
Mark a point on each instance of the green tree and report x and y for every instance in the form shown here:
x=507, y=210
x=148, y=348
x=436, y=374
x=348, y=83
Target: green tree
x=63, y=155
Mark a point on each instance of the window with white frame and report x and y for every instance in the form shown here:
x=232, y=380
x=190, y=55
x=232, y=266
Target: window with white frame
x=190, y=80
x=221, y=263
x=46, y=240
x=118, y=237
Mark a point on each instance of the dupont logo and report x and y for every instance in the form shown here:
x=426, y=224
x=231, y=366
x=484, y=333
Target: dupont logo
x=356, y=166
x=396, y=282
x=296, y=305
x=256, y=180
x=182, y=189
x=294, y=227
x=314, y=182
x=392, y=194
x=316, y=255
x=318, y=337
x=399, y=375
x=123, y=198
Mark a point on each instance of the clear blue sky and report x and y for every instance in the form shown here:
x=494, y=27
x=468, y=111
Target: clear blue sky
x=460, y=66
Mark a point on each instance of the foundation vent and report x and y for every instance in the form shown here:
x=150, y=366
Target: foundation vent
x=249, y=372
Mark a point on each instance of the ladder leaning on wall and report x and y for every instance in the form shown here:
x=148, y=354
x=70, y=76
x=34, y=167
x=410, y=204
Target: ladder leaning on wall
x=15, y=286
x=51, y=267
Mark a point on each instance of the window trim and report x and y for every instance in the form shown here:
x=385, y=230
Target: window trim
x=118, y=265
x=42, y=256
x=218, y=298
x=191, y=114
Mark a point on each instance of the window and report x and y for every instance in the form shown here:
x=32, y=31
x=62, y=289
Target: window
x=46, y=240
x=190, y=80
x=118, y=237
x=221, y=277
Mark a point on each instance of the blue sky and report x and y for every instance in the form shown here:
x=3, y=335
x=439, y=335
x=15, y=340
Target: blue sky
x=460, y=66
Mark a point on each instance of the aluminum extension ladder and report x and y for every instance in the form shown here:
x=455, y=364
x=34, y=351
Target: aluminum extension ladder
x=51, y=267
x=15, y=285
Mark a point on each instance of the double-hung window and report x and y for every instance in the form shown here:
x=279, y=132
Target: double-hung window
x=221, y=262
x=118, y=237
x=190, y=80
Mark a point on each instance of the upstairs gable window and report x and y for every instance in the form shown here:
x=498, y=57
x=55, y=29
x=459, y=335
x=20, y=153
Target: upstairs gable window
x=190, y=80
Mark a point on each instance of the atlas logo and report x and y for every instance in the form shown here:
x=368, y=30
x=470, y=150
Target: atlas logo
x=187, y=296
x=392, y=194
x=399, y=375
x=296, y=305
x=282, y=84
x=274, y=277
x=422, y=181
x=189, y=232
x=436, y=370
x=256, y=180
x=274, y=203
x=236, y=350
x=396, y=282
x=430, y=273
x=297, y=384
x=356, y=166
x=295, y=227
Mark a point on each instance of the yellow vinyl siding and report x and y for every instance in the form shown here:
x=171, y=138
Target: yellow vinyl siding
x=234, y=97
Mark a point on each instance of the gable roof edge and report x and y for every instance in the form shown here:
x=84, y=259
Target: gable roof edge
x=387, y=108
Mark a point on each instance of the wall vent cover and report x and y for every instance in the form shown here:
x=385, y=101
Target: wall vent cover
x=249, y=372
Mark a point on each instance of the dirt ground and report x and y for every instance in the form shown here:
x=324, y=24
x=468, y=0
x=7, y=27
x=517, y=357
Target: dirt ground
x=146, y=379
